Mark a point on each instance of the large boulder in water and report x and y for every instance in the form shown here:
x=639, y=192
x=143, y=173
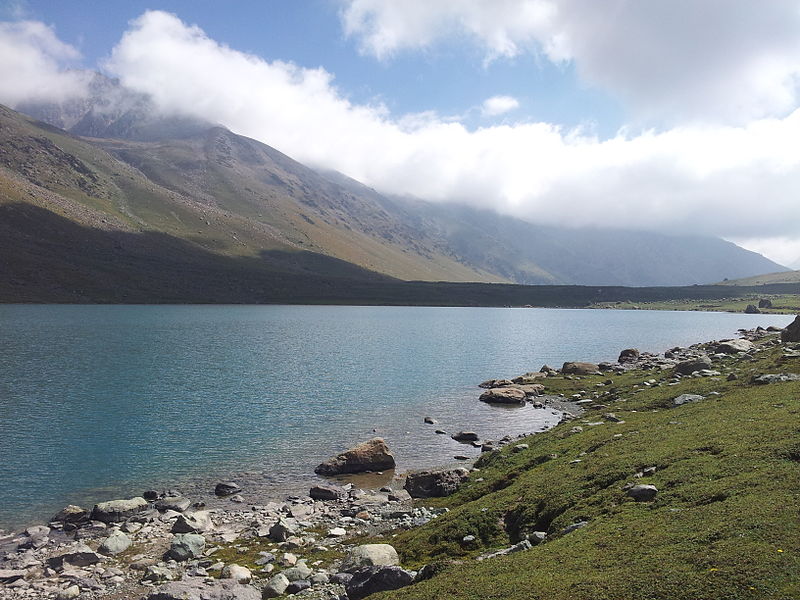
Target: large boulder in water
x=504, y=395
x=435, y=484
x=372, y=455
x=580, y=368
x=792, y=331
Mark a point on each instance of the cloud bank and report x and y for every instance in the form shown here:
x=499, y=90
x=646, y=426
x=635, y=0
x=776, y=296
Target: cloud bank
x=733, y=179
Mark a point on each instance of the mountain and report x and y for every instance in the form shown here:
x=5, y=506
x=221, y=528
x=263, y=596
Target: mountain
x=766, y=279
x=183, y=191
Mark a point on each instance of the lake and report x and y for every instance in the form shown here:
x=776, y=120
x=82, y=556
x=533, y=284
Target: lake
x=98, y=402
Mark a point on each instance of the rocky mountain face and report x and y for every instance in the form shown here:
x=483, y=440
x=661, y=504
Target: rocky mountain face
x=109, y=166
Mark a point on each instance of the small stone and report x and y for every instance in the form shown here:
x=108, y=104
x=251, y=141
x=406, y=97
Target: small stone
x=337, y=532
x=276, y=586
x=115, y=543
x=238, y=573
x=71, y=592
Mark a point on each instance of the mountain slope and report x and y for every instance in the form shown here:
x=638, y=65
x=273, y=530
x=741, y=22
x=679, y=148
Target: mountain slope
x=766, y=279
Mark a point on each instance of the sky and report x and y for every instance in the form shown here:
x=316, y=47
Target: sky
x=676, y=116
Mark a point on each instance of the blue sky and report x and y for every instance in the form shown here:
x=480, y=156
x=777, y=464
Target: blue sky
x=451, y=78
x=676, y=116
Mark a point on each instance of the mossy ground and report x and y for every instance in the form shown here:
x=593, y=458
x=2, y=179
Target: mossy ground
x=725, y=523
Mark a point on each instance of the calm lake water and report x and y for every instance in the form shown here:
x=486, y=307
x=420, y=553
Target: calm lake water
x=98, y=402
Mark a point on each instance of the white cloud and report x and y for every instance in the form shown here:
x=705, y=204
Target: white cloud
x=783, y=250
x=726, y=60
x=735, y=181
x=499, y=105
x=32, y=65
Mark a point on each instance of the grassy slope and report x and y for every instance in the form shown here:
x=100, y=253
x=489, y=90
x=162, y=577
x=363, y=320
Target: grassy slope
x=782, y=304
x=724, y=524
x=766, y=279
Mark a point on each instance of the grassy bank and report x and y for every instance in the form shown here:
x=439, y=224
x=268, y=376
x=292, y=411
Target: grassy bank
x=724, y=524
x=782, y=304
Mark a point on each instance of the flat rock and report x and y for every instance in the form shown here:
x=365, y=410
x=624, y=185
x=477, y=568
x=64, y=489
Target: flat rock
x=72, y=514
x=687, y=367
x=734, y=346
x=11, y=575
x=116, y=511
x=176, y=503
x=195, y=522
x=580, y=368
x=77, y=556
x=776, y=378
x=199, y=589
x=686, y=399
x=327, y=491
x=504, y=395
x=115, y=543
x=372, y=455
x=369, y=555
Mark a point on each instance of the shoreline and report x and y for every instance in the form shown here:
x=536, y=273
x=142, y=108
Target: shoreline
x=367, y=513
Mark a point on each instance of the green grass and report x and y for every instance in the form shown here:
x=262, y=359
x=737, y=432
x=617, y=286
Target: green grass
x=724, y=524
x=782, y=304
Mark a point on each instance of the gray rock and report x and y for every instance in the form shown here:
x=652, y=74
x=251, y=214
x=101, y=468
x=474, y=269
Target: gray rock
x=629, y=355
x=372, y=455
x=734, y=346
x=156, y=574
x=327, y=491
x=69, y=593
x=643, y=493
x=78, y=556
x=298, y=586
x=72, y=514
x=319, y=579
x=297, y=572
x=227, y=488
x=574, y=527
x=686, y=399
x=369, y=555
x=115, y=543
x=11, y=575
x=465, y=436
x=116, y=511
x=768, y=378
x=792, y=331
x=238, y=573
x=195, y=522
x=341, y=578
x=687, y=367
x=752, y=309
x=185, y=546
x=276, y=586
x=283, y=529
x=176, y=503
x=199, y=589
x=580, y=368
x=433, y=484
x=371, y=580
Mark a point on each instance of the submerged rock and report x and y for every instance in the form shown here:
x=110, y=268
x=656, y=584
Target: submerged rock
x=372, y=455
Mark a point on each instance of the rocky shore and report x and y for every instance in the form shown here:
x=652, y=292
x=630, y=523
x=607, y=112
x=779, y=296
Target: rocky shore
x=336, y=541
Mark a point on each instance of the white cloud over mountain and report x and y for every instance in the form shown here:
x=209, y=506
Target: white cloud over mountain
x=735, y=179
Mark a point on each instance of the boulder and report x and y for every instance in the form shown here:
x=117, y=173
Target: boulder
x=752, y=309
x=156, y=574
x=197, y=588
x=371, y=580
x=227, y=488
x=195, y=522
x=505, y=395
x=11, y=575
x=580, y=368
x=298, y=586
x=70, y=593
x=643, y=493
x=115, y=543
x=687, y=367
x=768, y=378
x=185, y=546
x=276, y=586
x=734, y=346
x=436, y=483
x=765, y=303
x=527, y=378
x=327, y=491
x=369, y=555
x=629, y=355
x=77, y=556
x=283, y=529
x=116, y=511
x=238, y=573
x=298, y=572
x=791, y=332
x=372, y=455
x=176, y=503
x=74, y=515
x=686, y=399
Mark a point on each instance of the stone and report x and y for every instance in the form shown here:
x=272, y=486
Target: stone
x=238, y=573
x=198, y=588
x=528, y=378
x=115, y=543
x=752, y=309
x=574, y=527
x=341, y=578
x=371, y=580
x=580, y=368
x=435, y=483
x=465, y=436
x=77, y=556
x=327, y=491
x=288, y=559
x=185, y=546
x=643, y=493
x=195, y=522
x=337, y=532
x=150, y=495
x=298, y=586
x=72, y=514
x=156, y=574
x=686, y=399
x=764, y=303
x=227, y=488
x=176, y=503
x=629, y=355
x=71, y=592
x=791, y=333
x=369, y=555
x=734, y=346
x=687, y=367
x=776, y=378
x=11, y=575
x=116, y=511
x=429, y=421
x=506, y=395
x=276, y=586
x=283, y=529
x=297, y=572
x=319, y=579
x=372, y=455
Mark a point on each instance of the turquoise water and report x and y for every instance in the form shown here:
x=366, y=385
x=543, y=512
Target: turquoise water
x=104, y=401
